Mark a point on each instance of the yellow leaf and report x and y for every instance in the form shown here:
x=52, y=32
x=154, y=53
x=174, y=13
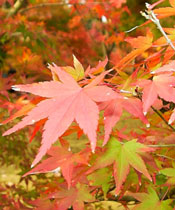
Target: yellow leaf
x=78, y=68
x=77, y=72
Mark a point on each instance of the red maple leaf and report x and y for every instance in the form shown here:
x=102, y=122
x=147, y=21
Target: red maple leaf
x=11, y=2
x=113, y=110
x=117, y=3
x=64, y=198
x=61, y=158
x=66, y=101
x=161, y=85
x=165, y=68
x=5, y=84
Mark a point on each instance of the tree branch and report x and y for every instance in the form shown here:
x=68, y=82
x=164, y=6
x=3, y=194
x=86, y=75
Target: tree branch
x=149, y=14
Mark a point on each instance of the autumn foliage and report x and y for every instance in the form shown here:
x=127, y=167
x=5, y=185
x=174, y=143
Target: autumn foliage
x=98, y=100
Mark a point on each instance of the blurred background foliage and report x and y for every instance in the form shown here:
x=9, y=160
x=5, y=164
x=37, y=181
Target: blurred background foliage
x=34, y=33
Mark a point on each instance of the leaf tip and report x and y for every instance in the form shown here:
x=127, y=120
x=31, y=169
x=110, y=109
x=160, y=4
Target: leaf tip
x=15, y=88
x=144, y=113
x=170, y=121
x=5, y=134
x=48, y=65
x=93, y=151
x=147, y=5
x=57, y=170
x=103, y=144
x=148, y=125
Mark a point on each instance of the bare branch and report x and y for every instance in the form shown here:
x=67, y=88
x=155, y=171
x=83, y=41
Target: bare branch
x=150, y=15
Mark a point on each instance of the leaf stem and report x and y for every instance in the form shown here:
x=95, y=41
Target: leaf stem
x=158, y=113
x=139, y=95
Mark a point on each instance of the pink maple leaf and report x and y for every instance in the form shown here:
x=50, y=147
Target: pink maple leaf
x=65, y=102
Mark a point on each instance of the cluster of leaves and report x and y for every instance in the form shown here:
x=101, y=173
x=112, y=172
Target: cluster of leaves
x=120, y=111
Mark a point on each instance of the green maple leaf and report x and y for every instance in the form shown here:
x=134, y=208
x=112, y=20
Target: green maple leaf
x=123, y=156
x=101, y=177
x=170, y=172
x=151, y=201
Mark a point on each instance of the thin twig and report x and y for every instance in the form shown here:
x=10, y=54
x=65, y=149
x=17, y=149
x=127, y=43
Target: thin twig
x=132, y=29
x=139, y=95
x=161, y=145
x=158, y=113
x=164, y=156
x=165, y=194
x=150, y=15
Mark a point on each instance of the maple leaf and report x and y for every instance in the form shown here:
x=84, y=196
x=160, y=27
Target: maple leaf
x=44, y=204
x=164, y=12
x=161, y=85
x=36, y=129
x=165, y=68
x=113, y=110
x=11, y=2
x=170, y=172
x=117, y=3
x=102, y=178
x=61, y=158
x=75, y=196
x=141, y=44
x=150, y=199
x=24, y=109
x=77, y=72
x=66, y=101
x=5, y=84
x=98, y=69
x=122, y=157
x=172, y=117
